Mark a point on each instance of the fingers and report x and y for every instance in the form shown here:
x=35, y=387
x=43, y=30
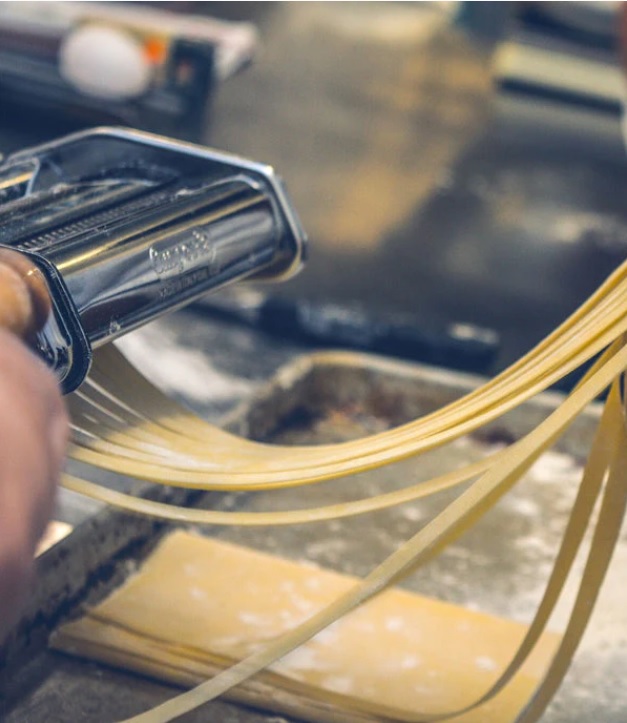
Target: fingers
x=33, y=435
x=25, y=297
x=16, y=308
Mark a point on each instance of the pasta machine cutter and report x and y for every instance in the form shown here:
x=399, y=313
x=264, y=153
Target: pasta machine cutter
x=111, y=228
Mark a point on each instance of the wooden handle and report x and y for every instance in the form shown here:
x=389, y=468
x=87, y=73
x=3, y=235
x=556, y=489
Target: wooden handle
x=24, y=300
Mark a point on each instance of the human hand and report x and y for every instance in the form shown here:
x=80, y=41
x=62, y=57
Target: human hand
x=33, y=436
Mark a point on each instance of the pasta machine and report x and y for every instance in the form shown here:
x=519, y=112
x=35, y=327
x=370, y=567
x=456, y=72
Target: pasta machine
x=117, y=227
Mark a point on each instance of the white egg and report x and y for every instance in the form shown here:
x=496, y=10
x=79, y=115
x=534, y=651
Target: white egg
x=105, y=62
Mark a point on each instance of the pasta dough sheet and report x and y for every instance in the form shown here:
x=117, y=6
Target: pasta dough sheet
x=198, y=604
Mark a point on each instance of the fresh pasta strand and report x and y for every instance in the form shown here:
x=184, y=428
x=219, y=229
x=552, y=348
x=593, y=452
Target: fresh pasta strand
x=595, y=470
x=166, y=511
x=219, y=460
x=124, y=424
x=174, y=513
x=603, y=544
x=448, y=525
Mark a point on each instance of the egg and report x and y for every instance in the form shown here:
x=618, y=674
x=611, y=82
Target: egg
x=105, y=62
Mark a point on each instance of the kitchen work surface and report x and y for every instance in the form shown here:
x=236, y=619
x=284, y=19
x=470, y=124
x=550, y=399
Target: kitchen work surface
x=499, y=567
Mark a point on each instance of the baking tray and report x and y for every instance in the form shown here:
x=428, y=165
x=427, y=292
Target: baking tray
x=498, y=567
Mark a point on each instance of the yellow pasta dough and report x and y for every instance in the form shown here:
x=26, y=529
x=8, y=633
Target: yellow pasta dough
x=198, y=604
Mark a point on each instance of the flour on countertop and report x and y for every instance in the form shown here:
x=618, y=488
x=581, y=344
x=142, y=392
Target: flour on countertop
x=180, y=370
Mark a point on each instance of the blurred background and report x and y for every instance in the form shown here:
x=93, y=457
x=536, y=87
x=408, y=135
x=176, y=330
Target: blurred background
x=459, y=167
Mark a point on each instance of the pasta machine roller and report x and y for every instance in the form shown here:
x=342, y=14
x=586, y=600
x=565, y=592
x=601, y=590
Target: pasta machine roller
x=110, y=228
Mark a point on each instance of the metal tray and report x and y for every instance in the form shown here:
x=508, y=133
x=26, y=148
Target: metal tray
x=499, y=566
